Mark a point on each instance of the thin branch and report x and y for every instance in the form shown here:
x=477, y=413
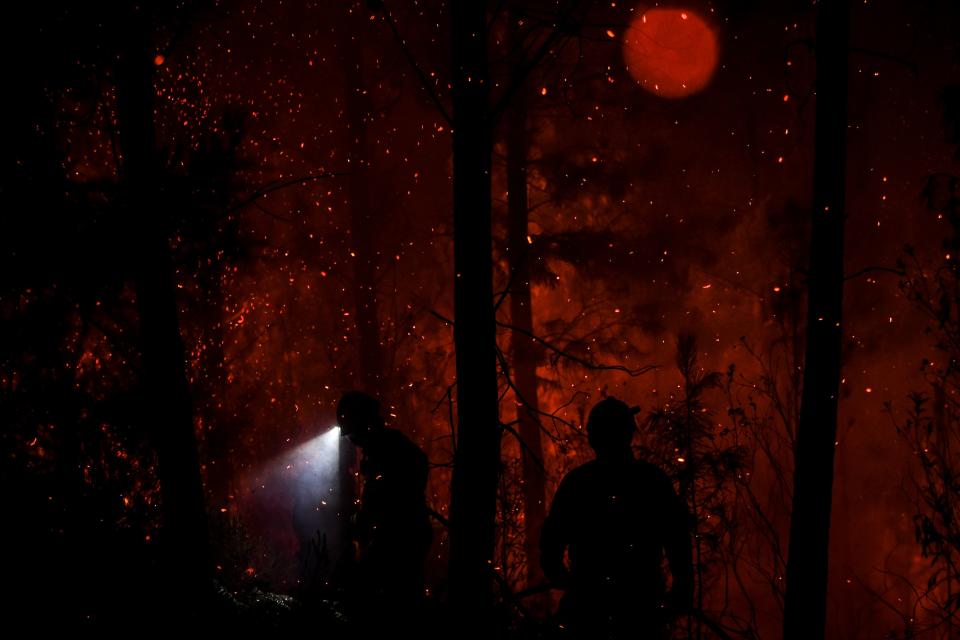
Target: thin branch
x=581, y=361
x=536, y=413
x=424, y=80
x=442, y=318
x=277, y=186
x=275, y=216
x=523, y=445
x=910, y=65
x=439, y=517
x=560, y=28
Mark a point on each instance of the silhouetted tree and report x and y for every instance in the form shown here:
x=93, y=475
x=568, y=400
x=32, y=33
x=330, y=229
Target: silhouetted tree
x=683, y=438
x=477, y=457
x=763, y=405
x=806, y=592
x=931, y=427
x=167, y=409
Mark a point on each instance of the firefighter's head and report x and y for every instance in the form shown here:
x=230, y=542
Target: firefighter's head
x=358, y=415
x=610, y=428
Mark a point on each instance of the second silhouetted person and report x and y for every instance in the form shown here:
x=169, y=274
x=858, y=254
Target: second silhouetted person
x=616, y=517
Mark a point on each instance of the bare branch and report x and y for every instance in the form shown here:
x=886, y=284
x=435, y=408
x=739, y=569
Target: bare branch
x=424, y=80
x=277, y=186
x=581, y=361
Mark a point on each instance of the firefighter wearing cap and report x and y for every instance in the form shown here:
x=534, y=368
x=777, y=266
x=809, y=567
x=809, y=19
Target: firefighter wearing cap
x=616, y=518
x=391, y=528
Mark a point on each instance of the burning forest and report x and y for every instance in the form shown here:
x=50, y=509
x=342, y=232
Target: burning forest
x=526, y=319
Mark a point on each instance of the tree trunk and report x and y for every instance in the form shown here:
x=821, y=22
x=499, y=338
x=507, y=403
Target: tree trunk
x=807, y=566
x=167, y=406
x=477, y=459
x=525, y=351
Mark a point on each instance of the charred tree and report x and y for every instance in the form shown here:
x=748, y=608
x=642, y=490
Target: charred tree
x=805, y=602
x=525, y=352
x=167, y=407
x=477, y=458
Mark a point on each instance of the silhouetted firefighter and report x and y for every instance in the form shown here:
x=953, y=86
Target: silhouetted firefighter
x=391, y=533
x=616, y=516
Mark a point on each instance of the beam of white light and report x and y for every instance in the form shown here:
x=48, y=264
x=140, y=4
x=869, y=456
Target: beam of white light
x=316, y=465
x=321, y=450
x=296, y=496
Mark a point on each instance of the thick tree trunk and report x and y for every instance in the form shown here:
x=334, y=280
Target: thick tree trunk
x=525, y=353
x=807, y=566
x=477, y=459
x=167, y=406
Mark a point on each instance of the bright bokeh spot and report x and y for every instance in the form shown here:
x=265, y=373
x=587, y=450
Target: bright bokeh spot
x=670, y=52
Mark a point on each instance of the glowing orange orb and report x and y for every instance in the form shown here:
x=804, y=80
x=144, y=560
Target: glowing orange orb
x=670, y=52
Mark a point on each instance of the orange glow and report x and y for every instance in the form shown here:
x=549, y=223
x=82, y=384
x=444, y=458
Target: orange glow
x=670, y=52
